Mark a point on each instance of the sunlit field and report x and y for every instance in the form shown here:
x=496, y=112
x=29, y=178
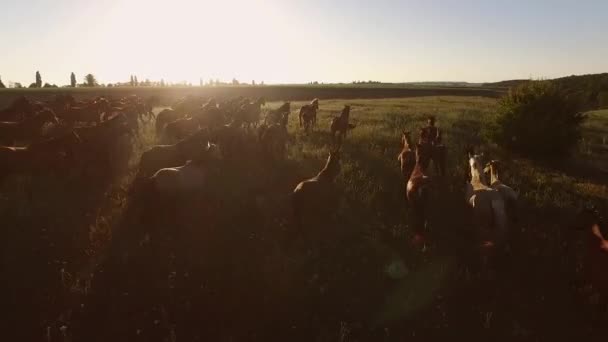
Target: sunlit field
x=86, y=258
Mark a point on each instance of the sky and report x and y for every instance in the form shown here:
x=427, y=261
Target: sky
x=300, y=41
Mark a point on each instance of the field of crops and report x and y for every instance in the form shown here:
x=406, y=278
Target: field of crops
x=84, y=260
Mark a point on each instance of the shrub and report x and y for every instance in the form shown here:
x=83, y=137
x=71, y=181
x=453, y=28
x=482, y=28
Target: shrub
x=538, y=118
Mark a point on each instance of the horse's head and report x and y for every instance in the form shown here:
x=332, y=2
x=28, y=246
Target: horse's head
x=406, y=139
x=492, y=165
x=431, y=121
x=315, y=103
x=476, y=166
x=346, y=111
x=332, y=167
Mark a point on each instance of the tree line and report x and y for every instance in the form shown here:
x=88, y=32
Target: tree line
x=90, y=80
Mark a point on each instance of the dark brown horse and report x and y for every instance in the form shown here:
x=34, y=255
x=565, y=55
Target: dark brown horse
x=340, y=125
x=308, y=115
x=250, y=112
x=430, y=136
x=26, y=130
x=165, y=117
x=163, y=156
x=273, y=138
x=41, y=156
x=275, y=116
x=316, y=198
x=407, y=157
x=418, y=192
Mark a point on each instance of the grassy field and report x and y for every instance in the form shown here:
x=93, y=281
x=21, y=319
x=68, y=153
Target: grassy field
x=271, y=92
x=84, y=261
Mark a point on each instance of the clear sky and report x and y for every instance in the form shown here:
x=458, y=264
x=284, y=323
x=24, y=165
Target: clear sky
x=293, y=41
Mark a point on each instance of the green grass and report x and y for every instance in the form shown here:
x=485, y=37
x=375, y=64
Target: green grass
x=230, y=266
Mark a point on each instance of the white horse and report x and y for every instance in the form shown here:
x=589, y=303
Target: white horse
x=488, y=204
x=508, y=194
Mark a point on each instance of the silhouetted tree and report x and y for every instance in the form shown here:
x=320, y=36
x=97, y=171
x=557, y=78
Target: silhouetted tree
x=18, y=85
x=38, y=80
x=132, y=81
x=2, y=84
x=235, y=81
x=162, y=82
x=90, y=81
x=253, y=82
x=72, y=80
x=135, y=81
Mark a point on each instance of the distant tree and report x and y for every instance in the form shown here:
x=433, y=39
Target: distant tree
x=201, y=82
x=33, y=85
x=72, y=80
x=110, y=85
x=18, y=85
x=253, y=82
x=217, y=82
x=38, y=80
x=2, y=86
x=235, y=82
x=46, y=85
x=132, y=81
x=135, y=81
x=90, y=81
x=146, y=82
x=162, y=82
x=262, y=83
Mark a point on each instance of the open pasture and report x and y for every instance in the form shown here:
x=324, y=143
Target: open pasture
x=86, y=257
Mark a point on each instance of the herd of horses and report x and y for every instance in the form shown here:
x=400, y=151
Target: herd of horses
x=38, y=136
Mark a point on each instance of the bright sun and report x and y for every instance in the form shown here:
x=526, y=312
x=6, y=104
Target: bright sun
x=187, y=39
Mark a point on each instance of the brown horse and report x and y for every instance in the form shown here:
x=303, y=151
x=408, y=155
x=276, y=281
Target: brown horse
x=88, y=113
x=340, y=125
x=316, y=198
x=163, y=156
x=308, y=115
x=41, y=156
x=27, y=129
x=275, y=116
x=430, y=136
x=166, y=116
x=273, y=138
x=181, y=128
x=407, y=157
x=252, y=111
x=417, y=192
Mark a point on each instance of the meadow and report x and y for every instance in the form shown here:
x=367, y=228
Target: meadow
x=84, y=260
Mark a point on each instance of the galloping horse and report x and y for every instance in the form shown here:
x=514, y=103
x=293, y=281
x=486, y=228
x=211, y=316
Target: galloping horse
x=508, y=194
x=45, y=155
x=252, y=111
x=488, y=205
x=407, y=157
x=308, y=115
x=27, y=129
x=278, y=115
x=340, y=125
x=316, y=198
x=417, y=191
x=273, y=138
x=165, y=117
x=430, y=136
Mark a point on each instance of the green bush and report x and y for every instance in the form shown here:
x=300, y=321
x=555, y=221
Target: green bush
x=538, y=118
